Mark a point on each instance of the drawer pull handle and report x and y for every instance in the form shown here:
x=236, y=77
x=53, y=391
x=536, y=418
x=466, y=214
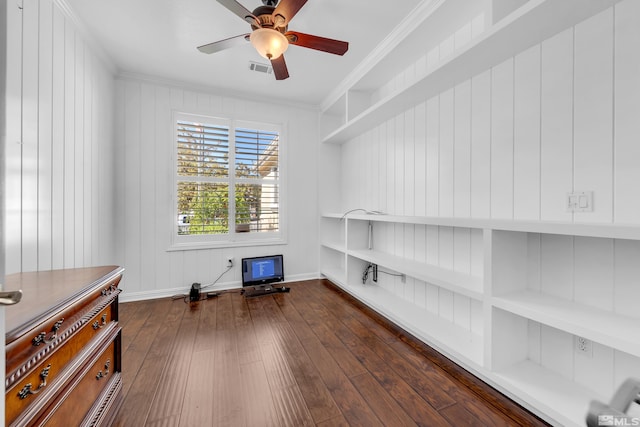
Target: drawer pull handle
x=55, y=328
x=26, y=390
x=108, y=291
x=42, y=336
x=106, y=370
x=103, y=321
x=43, y=376
x=39, y=339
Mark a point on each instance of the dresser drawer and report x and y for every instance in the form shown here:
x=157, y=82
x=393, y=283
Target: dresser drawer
x=33, y=343
x=46, y=372
x=72, y=407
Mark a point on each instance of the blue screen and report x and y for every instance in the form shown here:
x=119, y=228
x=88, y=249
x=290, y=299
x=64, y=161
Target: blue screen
x=263, y=268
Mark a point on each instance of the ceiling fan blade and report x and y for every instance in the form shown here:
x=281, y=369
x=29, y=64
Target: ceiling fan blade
x=323, y=44
x=238, y=9
x=224, y=44
x=288, y=9
x=280, y=68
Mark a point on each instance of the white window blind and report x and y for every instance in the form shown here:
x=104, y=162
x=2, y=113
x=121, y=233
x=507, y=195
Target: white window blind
x=224, y=172
x=256, y=158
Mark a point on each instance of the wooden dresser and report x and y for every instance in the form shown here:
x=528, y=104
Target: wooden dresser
x=63, y=350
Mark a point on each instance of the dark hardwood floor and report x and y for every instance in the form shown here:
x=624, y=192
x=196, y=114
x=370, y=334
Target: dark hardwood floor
x=313, y=356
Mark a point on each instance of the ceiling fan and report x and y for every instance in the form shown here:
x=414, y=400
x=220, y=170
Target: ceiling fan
x=270, y=35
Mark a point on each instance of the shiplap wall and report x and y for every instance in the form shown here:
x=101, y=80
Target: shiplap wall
x=59, y=183
x=145, y=140
x=509, y=143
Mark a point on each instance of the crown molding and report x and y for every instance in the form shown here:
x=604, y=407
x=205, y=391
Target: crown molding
x=212, y=90
x=414, y=19
x=96, y=48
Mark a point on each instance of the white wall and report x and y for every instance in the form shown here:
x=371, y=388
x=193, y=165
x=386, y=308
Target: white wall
x=59, y=185
x=512, y=141
x=144, y=134
x=509, y=143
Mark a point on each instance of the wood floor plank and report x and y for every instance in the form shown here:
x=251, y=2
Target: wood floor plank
x=141, y=342
x=224, y=312
x=292, y=408
x=429, y=384
x=465, y=398
x=292, y=315
x=385, y=407
x=344, y=308
x=459, y=416
x=248, y=349
x=321, y=323
x=128, y=312
x=353, y=407
x=228, y=397
x=134, y=321
x=241, y=312
x=140, y=392
x=334, y=422
x=258, y=405
x=170, y=393
x=408, y=399
x=277, y=369
x=318, y=398
x=207, y=325
x=197, y=404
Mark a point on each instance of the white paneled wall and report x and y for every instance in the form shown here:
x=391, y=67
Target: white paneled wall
x=144, y=170
x=59, y=149
x=509, y=143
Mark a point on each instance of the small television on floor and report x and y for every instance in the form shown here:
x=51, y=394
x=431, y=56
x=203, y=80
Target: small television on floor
x=262, y=270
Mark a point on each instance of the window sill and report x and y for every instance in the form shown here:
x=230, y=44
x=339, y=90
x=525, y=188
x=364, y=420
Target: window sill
x=191, y=246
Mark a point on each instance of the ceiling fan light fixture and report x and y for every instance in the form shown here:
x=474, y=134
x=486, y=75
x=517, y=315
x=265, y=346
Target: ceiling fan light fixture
x=269, y=43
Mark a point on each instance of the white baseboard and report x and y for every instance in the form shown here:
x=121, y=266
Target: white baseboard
x=126, y=296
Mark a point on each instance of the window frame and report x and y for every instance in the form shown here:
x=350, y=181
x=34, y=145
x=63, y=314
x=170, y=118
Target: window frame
x=231, y=238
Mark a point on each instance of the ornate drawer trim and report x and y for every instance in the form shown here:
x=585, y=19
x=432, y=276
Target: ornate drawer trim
x=61, y=339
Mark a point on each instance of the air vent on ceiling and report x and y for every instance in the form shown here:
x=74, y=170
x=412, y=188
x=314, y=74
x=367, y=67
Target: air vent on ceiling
x=261, y=68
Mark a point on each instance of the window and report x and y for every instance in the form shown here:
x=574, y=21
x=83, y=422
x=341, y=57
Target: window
x=227, y=181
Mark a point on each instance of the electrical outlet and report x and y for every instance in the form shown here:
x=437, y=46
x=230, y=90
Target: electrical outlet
x=229, y=261
x=583, y=346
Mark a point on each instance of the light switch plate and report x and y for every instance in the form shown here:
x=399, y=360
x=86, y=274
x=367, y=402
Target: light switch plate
x=580, y=201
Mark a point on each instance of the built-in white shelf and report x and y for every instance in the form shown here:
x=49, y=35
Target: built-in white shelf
x=530, y=24
x=459, y=283
x=335, y=275
x=605, y=327
x=336, y=246
x=447, y=337
x=605, y=230
x=499, y=306
x=558, y=397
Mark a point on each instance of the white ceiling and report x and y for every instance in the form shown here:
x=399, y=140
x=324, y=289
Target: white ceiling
x=158, y=38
